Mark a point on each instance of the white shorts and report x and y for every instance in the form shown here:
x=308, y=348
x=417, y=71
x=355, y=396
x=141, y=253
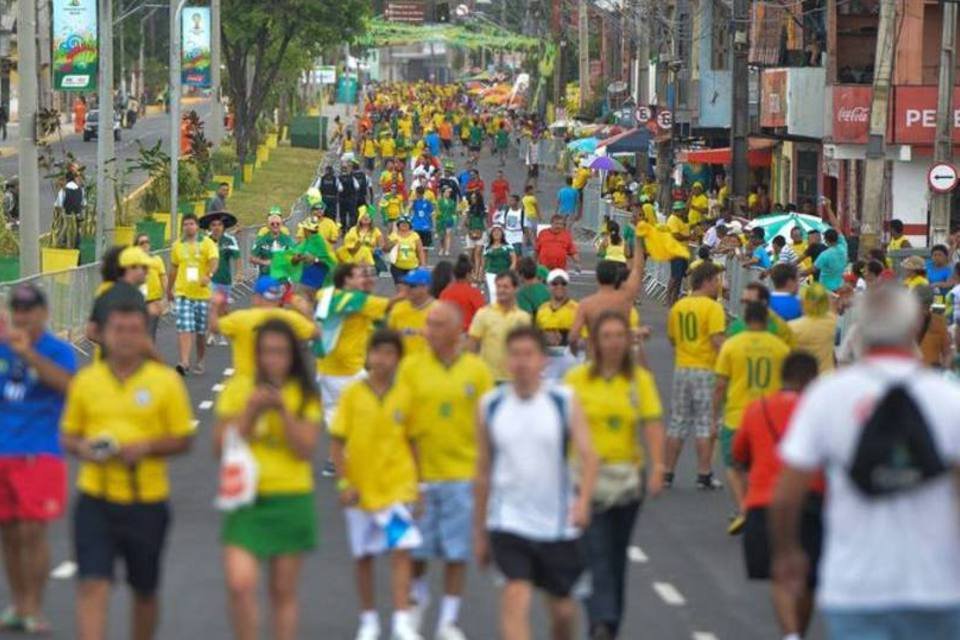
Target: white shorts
x=331, y=388
x=372, y=533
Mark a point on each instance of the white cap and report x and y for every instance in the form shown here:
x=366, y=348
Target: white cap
x=735, y=226
x=558, y=273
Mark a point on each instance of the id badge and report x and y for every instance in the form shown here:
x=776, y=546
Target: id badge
x=143, y=291
x=193, y=274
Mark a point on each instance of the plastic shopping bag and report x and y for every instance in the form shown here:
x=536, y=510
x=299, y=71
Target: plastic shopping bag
x=238, y=473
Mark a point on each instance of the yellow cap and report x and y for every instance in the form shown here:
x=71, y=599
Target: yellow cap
x=134, y=257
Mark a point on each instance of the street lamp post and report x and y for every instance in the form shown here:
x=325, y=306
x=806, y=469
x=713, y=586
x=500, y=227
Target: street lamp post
x=176, y=6
x=27, y=158
x=106, y=151
x=216, y=104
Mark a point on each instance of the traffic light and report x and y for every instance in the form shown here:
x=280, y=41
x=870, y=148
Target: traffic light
x=443, y=12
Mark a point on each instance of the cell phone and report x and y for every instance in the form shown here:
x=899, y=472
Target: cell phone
x=104, y=447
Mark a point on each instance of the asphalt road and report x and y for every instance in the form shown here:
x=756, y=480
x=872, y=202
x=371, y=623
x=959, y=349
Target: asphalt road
x=146, y=131
x=686, y=576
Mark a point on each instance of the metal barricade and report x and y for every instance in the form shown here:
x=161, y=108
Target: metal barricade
x=590, y=209
x=656, y=278
x=737, y=278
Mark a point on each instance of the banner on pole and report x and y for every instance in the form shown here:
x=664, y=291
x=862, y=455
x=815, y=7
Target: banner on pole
x=75, y=54
x=195, y=69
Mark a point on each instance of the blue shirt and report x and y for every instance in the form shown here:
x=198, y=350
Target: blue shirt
x=763, y=258
x=463, y=178
x=787, y=306
x=29, y=410
x=567, y=200
x=938, y=274
x=421, y=215
x=831, y=262
x=432, y=140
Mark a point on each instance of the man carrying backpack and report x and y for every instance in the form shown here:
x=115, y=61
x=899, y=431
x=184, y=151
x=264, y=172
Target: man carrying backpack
x=72, y=198
x=886, y=432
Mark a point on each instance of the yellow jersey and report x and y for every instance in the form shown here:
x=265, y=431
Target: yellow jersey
x=408, y=254
x=691, y=324
x=443, y=411
x=150, y=404
x=280, y=469
x=358, y=246
x=156, y=279
x=896, y=244
x=388, y=148
x=531, y=208
x=614, y=408
x=369, y=148
x=649, y=213
x=409, y=321
x=329, y=230
x=350, y=352
x=580, y=178
x=677, y=226
x=376, y=434
x=240, y=327
x=194, y=262
x=490, y=327
x=751, y=362
x=559, y=319
x=915, y=281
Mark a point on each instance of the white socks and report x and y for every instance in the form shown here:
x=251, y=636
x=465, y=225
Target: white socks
x=370, y=619
x=792, y=636
x=402, y=619
x=449, y=611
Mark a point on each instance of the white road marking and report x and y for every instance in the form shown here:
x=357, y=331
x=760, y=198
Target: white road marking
x=636, y=554
x=64, y=571
x=217, y=388
x=704, y=635
x=669, y=594
x=206, y=405
x=227, y=372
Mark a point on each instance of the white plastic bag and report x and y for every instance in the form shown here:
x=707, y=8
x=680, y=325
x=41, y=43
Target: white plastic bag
x=238, y=473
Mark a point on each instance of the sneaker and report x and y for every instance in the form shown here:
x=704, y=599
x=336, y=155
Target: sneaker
x=223, y=342
x=417, y=611
x=667, y=479
x=32, y=625
x=707, y=482
x=198, y=369
x=182, y=370
x=405, y=632
x=450, y=632
x=328, y=470
x=211, y=340
x=736, y=524
x=10, y=621
x=368, y=632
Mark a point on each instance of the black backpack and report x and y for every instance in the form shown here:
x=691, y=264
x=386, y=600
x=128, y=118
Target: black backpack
x=896, y=451
x=73, y=200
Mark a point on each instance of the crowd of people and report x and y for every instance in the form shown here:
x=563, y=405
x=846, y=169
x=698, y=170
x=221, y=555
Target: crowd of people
x=479, y=413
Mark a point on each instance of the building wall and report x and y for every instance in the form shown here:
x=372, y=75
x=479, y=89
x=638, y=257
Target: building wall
x=910, y=195
x=714, y=85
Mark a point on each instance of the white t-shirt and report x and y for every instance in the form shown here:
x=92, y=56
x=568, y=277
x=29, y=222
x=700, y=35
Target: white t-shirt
x=530, y=486
x=899, y=551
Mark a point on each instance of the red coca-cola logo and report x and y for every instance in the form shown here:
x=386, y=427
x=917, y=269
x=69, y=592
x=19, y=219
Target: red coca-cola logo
x=853, y=114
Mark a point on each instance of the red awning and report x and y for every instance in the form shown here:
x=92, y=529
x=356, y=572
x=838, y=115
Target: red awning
x=759, y=154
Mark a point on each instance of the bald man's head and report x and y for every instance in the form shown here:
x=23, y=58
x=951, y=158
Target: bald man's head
x=444, y=325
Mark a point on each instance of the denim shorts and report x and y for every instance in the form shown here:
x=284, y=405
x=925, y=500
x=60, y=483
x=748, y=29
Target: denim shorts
x=893, y=624
x=446, y=523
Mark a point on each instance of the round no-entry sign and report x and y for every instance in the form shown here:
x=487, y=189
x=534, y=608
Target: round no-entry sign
x=942, y=177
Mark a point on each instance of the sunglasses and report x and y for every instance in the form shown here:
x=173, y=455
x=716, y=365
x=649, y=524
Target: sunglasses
x=558, y=283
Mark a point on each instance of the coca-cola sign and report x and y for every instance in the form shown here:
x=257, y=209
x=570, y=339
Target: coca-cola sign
x=851, y=113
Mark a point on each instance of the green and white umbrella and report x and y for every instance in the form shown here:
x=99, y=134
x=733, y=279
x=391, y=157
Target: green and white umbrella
x=781, y=224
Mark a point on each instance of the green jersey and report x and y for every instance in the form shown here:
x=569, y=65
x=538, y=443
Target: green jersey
x=229, y=251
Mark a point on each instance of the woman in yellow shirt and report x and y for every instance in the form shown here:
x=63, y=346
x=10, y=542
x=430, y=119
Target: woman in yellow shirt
x=406, y=250
x=360, y=242
x=156, y=276
x=617, y=397
x=816, y=330
x=277, y=412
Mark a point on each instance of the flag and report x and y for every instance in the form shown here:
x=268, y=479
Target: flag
x=660, y=243
x=332, y=309
x=282, y=267
x=320, y=273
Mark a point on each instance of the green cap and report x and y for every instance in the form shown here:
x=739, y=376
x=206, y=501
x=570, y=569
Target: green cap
x=542, y=272
x=679, y=205
x=275, y=210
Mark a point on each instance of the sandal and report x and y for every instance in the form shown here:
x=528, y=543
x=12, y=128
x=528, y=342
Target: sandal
x=10, y=621
x=34, y=625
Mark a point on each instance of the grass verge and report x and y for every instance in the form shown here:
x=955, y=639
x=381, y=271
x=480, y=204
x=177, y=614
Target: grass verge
x=279, y=181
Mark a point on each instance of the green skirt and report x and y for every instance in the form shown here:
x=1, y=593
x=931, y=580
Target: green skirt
x=274, y=525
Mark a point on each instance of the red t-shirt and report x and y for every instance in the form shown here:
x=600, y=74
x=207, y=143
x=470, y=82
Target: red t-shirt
x=475, y=184
x=465, y=296
x=500, y=190
x=755, y=445
x=553, y=248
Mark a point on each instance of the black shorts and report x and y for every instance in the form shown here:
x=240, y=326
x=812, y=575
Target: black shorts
x=426, y=238
x=756, y=540
x=104, y=531
x=533, y=171
x=678, y=268
x=475, y=148
x=554, y=567
x=446, y=144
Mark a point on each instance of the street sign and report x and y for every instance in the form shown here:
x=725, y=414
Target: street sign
x=665, y=119
x=641, y=115
x=942, y=177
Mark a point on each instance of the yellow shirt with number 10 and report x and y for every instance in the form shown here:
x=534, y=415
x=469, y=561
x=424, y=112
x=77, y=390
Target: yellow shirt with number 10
x=691, y=324
x=751, y=362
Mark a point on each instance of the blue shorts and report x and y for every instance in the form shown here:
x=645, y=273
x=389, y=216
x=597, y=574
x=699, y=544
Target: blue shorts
x=191, y=315
x=447, y=522
x=893, y=624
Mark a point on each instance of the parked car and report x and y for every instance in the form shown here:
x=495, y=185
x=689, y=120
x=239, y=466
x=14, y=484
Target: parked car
x=92, y=122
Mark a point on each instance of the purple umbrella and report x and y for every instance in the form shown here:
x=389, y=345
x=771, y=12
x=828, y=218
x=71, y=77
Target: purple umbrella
x=606, y=163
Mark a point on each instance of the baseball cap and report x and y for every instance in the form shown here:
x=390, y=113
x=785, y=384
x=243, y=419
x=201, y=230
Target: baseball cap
x=276, y=211
x=134, y=257
x=418, y=278
x=26, y=296
x=268, y=288
x=558, y=274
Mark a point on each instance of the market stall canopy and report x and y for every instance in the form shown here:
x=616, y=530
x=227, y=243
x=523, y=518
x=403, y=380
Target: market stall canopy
x=632, y=141
x=583, y=145
x=759, y=154
x=781, y=224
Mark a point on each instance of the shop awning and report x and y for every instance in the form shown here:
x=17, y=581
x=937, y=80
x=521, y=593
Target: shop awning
x=633, y=141
x=759, y=154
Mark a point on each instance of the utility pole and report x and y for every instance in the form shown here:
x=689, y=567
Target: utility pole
x=583, y=33
x=943, y=150
x=175, y=7
x=106, y=154
x=216, y=108
x=873, y=183
x=27, y=160
x=664, y=143
x=739, y=98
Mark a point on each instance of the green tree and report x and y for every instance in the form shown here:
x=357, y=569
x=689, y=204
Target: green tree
x=259, y=41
